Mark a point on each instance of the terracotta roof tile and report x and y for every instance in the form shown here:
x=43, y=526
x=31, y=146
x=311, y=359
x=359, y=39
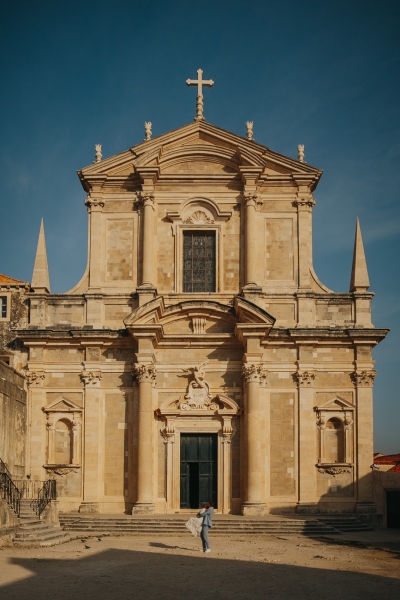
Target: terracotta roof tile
x=387, y=459
x=395, y=469
x=11, y=280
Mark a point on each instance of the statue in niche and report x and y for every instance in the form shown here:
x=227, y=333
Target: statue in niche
x=198, y=393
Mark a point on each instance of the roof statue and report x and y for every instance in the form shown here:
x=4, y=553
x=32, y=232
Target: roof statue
x=147, y=130
x=300, y=153
x=249, y=130
x=98, y=154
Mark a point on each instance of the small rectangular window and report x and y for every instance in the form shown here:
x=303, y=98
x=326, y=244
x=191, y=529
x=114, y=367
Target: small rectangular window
x=3, y=307
x=199, y=261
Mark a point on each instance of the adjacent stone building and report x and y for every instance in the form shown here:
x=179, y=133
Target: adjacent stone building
x=200, y=357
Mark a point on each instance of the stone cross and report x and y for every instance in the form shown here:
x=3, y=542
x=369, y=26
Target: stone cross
x=199, y=99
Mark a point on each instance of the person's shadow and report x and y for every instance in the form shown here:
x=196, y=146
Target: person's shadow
x=159, y=545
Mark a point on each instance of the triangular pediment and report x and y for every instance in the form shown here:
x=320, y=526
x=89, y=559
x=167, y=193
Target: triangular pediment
x=198, y=148
x=336, y=403
x=61, y=404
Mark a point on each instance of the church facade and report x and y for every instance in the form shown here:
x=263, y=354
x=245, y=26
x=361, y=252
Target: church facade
x=200, y=357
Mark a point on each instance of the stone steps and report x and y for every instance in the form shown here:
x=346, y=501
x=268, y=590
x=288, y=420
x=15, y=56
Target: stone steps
x=34, y=532
x=124, y=526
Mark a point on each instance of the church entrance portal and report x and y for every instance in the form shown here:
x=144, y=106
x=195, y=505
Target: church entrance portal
x=199, y=471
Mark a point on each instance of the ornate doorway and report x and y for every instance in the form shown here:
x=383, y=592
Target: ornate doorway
x=199, y=470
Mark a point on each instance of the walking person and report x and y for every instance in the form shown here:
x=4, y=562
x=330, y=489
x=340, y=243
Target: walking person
x=207, y=516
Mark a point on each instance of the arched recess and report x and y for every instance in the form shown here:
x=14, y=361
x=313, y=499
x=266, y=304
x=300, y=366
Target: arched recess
x=64, y=435
x=335, y=422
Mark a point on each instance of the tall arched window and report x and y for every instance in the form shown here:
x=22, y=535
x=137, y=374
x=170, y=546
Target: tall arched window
x=334, y=441
x=63, y=442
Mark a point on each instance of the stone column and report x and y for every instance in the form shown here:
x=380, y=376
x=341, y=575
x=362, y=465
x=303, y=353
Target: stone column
x=304, y=202
x=77, y=440
x=168, y=433
x=307, y=492
x=92, y=467
x=95, y=207
x=228, y=433
x=145, y=374
x=35, y=446
x=364, y=380
x=147, y=250
x=251, y=239
x=254, y=491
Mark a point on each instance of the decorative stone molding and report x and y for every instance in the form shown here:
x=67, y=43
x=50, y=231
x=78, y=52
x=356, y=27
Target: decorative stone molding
x=304, y=378
x=199, y=325
x=35, y=378
x=144, y=373
x=90, y=377
x=92, y=203
x=252, y=372
x=364, y=378
x=199, y=217
x=228, y=431
x=333, y=470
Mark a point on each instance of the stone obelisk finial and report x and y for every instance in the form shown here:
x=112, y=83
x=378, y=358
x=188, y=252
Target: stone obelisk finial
x=359, y=281
x=199, y=99
x=40, y=276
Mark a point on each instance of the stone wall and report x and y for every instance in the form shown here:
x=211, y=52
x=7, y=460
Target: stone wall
x=12, y=420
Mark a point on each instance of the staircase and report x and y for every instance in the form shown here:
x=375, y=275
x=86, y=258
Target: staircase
x=346, y=524
x=34, y=532
x=85, y=525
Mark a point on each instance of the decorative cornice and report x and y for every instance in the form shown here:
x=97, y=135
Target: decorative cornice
x=90, y=377
x=144, y=373
x=364, y=378
x=304, y=378
x=304, y=201
x=252, y=372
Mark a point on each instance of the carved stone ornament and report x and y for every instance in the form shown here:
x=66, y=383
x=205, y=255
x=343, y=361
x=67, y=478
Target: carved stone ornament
x=300, y=153
x=35, y=377
x=90, y=377
x=93, y=203
x=228, y=431
x=252, y=372
x=305, y=378
x=252, y=198
x=199, y=325
x=144, y=373
x=145, y=198
x=147, y=130
x=62, y=471
x=168, y=433
x=334, y=470
x=305, y=200
x=249, y=130
x=198, y=392
x=199, y=217
x=98, y=155
x=364, y=378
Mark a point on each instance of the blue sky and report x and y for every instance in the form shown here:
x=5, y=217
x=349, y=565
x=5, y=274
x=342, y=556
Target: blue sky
x=323, y=73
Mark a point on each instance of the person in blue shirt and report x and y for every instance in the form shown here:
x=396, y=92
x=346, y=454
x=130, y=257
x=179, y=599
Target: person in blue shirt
x=207, y=516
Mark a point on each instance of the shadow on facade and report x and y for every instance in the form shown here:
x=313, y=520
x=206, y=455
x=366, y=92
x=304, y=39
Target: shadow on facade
x=130, y=574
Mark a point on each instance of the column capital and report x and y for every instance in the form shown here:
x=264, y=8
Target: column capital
x=90, y=378
x=252, y=198
x=144, y=373
x=145, y=198
x=253, y=372
x=94, y=204
x=304, y=378
x=304, y=201
x=35, y=378
x=363, y=378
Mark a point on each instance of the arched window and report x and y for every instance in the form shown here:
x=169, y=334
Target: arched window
x=63, y=442
x=334, y=441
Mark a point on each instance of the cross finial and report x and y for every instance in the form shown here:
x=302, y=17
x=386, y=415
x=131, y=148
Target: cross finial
x=199, y=99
